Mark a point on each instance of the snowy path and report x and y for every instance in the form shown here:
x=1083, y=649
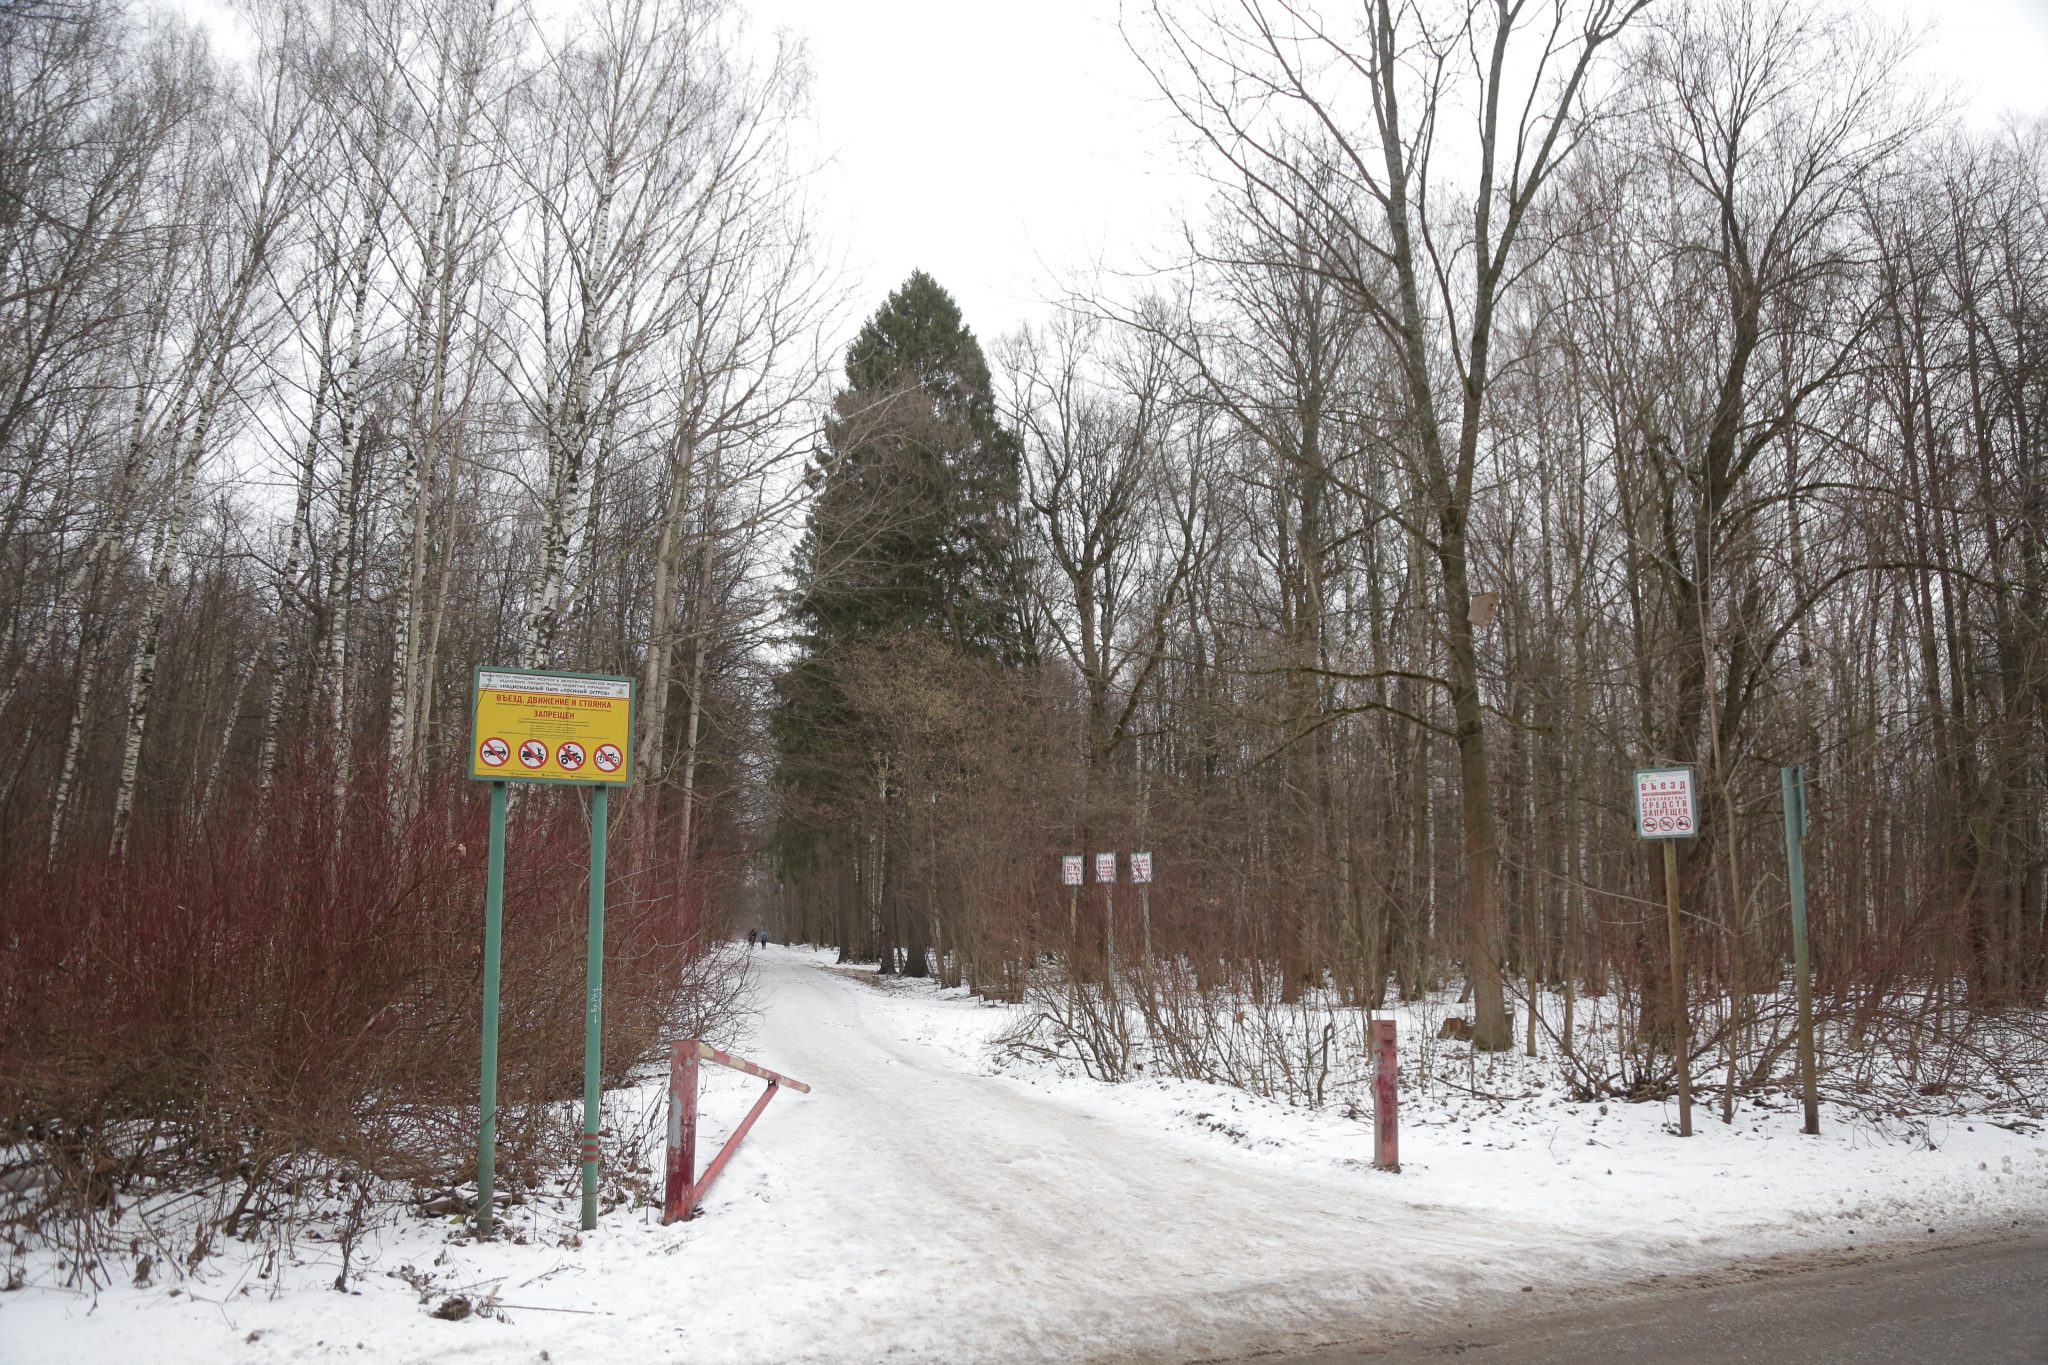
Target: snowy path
x=914, y=1207
x=1022, y=1225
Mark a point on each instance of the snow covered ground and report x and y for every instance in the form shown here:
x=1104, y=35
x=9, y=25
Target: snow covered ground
x=930, y=1201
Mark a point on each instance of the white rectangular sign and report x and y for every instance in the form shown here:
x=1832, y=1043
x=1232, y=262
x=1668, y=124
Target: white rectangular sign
x=1105, y=867
x=1667, y=804
x=1141, y=868
x=1070, y=870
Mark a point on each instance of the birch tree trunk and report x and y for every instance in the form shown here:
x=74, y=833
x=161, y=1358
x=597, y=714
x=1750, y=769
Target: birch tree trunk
x=352, y=439
x=432, y=358
x=289, y=589
x=142, y=672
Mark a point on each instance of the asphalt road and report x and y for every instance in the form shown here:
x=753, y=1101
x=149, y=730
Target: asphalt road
x=1980, y=1304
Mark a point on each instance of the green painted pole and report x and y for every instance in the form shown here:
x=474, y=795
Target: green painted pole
x=1793, y=781
x=494, y=934
x=593, y=1006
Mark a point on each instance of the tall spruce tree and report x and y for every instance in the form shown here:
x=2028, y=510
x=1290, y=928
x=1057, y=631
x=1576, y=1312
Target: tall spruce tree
x=914, y=523
x=912, y=531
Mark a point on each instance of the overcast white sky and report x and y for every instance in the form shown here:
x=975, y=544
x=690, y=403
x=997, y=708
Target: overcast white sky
x=1005, y=145
x=1001, y=146
x=993, y=145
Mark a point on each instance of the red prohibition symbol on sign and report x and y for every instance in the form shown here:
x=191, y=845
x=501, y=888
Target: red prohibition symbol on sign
x=494, y=752
x=569, y=755
x=607, y=758
x=533, y=753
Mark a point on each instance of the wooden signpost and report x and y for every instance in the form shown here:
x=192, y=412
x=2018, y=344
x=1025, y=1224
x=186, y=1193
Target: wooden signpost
x=566, y=729
x=1667, y=808
x=1070, y=877
x=1072, y=865
x=1141, y=877
x=1105, y=873
x=1793, y=781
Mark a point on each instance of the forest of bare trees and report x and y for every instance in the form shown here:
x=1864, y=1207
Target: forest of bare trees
x=1545, y=389
x=1549, y=390
x=365, y=344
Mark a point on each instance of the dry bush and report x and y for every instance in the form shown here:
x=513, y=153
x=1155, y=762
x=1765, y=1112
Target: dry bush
x=1241, y=1029
x=257, y=1010
x=1161, y=1017
x=1062, y=1019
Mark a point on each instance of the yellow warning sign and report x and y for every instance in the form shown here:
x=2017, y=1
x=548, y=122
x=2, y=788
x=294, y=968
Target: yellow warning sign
x=536, y=726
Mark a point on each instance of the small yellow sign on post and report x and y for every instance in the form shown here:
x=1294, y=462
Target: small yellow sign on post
x=575, y=729
x=530, y=725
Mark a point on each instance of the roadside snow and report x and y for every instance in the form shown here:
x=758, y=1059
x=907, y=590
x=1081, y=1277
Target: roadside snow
x=930, y=1202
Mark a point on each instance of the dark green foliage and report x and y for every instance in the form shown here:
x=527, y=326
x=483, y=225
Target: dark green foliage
x=913, y=531
x=914, y=527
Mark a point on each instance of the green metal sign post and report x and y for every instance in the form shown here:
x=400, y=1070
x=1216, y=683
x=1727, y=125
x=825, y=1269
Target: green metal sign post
x=565, y=729
x=593, y=1007
x=1793, y=781
x=494, y=935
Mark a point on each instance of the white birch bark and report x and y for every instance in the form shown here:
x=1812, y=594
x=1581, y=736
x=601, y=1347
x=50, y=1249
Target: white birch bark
x=352, y=442
x=244, y=675
x=74, y=733
x=288, y=586
x=661, y=625
x=699, y=648
x=145, y=428
x=142, y=673
x=221, y=339
x=441, y=302
x=568, y=441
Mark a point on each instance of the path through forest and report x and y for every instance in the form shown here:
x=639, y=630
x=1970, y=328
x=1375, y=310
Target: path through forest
x=932, y=1200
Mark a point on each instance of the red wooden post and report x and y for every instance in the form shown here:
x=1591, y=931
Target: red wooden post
x=682, y=1132
x=1386, y=1125
x=683, y=1192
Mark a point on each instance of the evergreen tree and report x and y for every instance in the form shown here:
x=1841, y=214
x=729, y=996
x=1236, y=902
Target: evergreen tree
x=912, y=530
x=914, y=526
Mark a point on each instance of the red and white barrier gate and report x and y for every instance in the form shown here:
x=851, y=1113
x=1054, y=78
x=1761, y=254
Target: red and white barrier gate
x=684, y=1193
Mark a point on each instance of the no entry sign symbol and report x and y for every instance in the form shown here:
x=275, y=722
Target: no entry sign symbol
x=574, y=728
x=1667, y=804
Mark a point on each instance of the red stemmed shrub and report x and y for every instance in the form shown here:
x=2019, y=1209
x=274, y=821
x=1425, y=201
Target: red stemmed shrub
x=301, y=981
